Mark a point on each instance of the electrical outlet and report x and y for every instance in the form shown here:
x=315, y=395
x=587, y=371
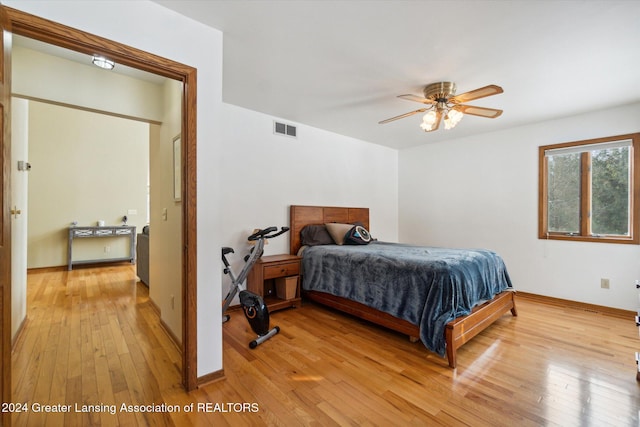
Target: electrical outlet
x=604, y=283
x=107, y=249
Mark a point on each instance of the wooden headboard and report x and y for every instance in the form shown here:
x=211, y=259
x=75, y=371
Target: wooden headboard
x=299, y=216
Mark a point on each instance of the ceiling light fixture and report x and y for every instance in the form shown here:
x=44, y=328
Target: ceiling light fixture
x=443, y=103
x=428, y=121
x=102, y=62
x=441, y=107
x=431, y=120
x=452, y=118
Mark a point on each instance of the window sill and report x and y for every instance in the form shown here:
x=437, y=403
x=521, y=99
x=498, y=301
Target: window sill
x=604, y=239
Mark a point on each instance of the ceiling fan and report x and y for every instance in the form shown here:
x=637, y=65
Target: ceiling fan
x=443, y=102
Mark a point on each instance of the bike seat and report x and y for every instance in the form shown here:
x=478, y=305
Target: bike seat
x=227, y=250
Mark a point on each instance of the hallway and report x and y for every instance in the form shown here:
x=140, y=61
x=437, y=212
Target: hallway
x=92, y=340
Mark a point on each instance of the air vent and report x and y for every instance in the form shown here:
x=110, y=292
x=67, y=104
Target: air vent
x=284, y=129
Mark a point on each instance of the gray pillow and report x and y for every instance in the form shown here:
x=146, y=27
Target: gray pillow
x=316, y=234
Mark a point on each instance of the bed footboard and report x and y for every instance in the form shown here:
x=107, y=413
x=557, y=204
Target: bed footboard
x=462, y=329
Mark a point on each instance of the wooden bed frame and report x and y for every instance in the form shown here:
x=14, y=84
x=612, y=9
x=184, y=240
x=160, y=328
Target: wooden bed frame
x=457, y=332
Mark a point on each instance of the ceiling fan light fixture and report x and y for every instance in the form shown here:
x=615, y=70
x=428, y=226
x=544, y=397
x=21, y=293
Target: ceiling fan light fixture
x=443, y=103
x=102, y=62
x=452, y=118
x=429, y=121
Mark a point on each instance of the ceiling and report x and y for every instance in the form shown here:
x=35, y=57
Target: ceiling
x=81, y=58
x=339, y=65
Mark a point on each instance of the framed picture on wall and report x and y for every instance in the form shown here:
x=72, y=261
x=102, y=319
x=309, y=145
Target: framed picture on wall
x=177, y=169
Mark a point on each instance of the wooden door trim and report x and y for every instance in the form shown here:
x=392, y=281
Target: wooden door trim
x=31, y=26
x=5, y=223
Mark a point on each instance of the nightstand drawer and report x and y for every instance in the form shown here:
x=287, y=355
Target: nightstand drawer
x=282, y=270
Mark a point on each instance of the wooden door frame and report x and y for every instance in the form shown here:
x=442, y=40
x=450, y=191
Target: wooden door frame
x=24, y=24
x=5, y=225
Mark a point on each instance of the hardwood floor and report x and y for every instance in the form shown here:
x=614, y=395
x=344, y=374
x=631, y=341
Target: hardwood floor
x=93, y=338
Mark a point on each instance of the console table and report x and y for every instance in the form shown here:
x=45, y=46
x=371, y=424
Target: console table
x=76, y=232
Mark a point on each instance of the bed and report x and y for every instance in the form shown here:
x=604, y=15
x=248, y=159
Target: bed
x=476, y=309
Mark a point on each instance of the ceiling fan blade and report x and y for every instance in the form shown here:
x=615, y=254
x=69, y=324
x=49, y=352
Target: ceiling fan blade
x=417, y=98
x=402, y=116
x=476, y=94
x=490, y=113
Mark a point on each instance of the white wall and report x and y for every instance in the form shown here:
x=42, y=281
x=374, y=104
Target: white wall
x=165, y=237
x=483, y=192
x=265, y=173
x=155, y=29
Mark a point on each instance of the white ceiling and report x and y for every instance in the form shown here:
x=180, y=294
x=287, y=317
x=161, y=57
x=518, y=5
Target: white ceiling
x=339, y=65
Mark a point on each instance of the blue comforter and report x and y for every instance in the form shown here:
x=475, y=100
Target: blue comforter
x=426, y=286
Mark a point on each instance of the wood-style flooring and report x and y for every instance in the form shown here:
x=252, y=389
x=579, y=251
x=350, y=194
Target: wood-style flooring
x=93, y=338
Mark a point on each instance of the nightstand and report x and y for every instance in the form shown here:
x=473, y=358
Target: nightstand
x=267, y=271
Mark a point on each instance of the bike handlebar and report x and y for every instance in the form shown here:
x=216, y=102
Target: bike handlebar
x=265, y=234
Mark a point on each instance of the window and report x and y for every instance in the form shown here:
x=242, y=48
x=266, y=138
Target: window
x=589, y=190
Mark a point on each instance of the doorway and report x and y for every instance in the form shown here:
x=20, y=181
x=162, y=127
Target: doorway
x=49, y=32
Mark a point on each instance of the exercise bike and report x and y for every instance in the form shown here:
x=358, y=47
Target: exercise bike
x=253, y=306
